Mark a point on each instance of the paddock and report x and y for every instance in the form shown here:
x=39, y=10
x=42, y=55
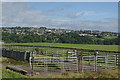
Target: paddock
x=49, y=59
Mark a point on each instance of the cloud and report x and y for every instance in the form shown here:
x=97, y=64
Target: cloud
x=86, y=25
x=61, y=8
x=81, y=13
x=111, y=19
x=20, y=14
x=75, y=15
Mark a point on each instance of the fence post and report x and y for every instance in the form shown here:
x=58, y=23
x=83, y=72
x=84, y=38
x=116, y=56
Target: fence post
x=67, y=56
x=45, y=62
x=117, y=59
x=32, y=61
x=115, y=62
x=106, y=61
x=25, y=55
x=118, y=56
x=95, y=54
x=79, y=63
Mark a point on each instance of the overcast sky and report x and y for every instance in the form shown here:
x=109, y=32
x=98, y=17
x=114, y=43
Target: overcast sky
x=65, y=15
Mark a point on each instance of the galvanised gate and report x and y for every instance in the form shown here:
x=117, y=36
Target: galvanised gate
x=97, y=61
x=62, y=61
x=74, y=61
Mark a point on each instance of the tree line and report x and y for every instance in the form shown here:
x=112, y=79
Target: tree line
x=71, y=37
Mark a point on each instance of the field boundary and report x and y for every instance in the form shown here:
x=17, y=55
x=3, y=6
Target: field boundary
x=88, y=50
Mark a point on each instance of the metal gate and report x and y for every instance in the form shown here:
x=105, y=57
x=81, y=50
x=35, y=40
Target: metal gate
x=98, y=62
x=54, y=64
x=87, y=62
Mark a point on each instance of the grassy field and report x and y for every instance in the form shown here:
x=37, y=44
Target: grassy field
x=11, y=74
x=79, y=46
x=110, y=37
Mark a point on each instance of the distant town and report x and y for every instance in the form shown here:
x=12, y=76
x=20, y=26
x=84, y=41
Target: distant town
x=44, y=30
x=52, y=35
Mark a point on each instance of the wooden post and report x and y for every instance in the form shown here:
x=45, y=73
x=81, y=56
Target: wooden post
x=115, y=62
x=116, y=59
x=67, y=56
x=78, y=63
x=81, y=59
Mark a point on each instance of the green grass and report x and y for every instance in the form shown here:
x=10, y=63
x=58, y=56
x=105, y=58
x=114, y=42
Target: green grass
x=11, y=74
x=8, y=73
x=79, y=46
x=13, y=61
x=98, y=74
x=110, y=37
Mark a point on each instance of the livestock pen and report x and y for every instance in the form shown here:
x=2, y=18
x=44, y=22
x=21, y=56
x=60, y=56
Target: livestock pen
x=60, y=59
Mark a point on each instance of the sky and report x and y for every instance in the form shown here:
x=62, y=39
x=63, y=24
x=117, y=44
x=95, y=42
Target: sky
x=102, y=16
